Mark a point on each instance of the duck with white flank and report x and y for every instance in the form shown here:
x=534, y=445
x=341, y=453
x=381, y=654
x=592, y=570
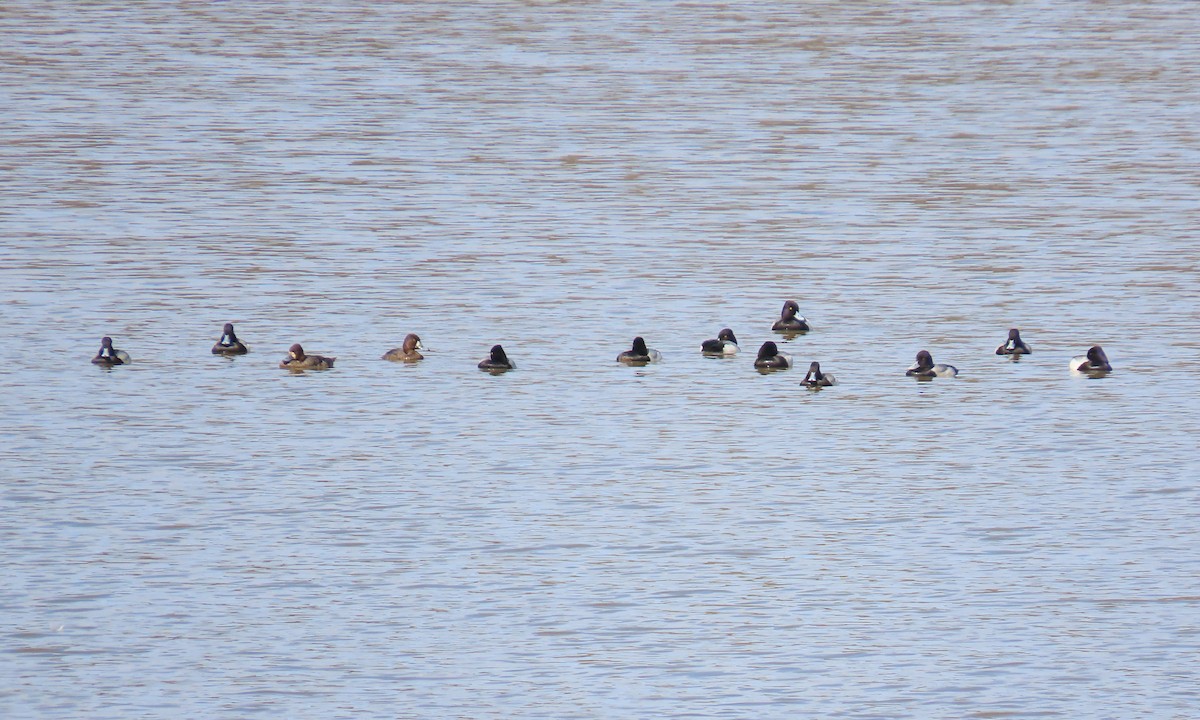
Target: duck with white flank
x=110, y=356
x=769, y=358
x=725, y=344
x=639, y=354
x=817, y=379
x=1094, y=363
x=924, y=367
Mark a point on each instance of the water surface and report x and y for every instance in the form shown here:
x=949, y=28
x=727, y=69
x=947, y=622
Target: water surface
x=196, y=536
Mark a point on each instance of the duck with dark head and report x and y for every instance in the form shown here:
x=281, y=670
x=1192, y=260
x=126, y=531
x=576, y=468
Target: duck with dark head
x=1095, y=362
x=790, y=320
x=407, y=352
x=1014, y=346
x=769, y=358
x=817, y=379
x=229, y=343
x=497, y=361
x=297, y=359
x=109, y=356
x=924, y=368
x=639, y=354
x=724, y=345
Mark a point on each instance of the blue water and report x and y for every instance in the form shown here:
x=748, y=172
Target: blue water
x=197, y=536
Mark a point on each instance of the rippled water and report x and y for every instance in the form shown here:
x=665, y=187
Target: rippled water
x=193, y=536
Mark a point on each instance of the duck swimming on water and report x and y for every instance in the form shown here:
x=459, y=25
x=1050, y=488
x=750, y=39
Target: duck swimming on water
x=639, y=354
x=1094, y=363
x=817, y=379
x=110, y=356
x=407, y=352
x=298, y=360
x=229, y=343
x=924, y=367
x=725, y=344
x=769, y=358
x=1014, y=345
x=790, y=320
x=496, y=361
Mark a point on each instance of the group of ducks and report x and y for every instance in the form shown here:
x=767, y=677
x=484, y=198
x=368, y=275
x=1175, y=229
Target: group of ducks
x=790, y=323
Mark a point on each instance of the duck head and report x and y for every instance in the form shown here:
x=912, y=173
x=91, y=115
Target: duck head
x=924, y=361
x=1097, y=358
